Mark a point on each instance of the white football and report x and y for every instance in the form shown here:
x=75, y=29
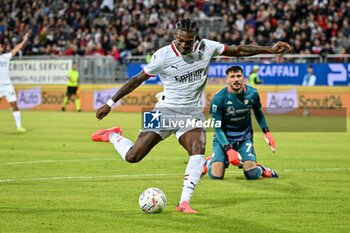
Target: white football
x=152, y=200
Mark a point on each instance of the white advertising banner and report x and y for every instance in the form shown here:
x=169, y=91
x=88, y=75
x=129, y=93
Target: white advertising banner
x=282, y=102
x=29, y=98
x=102, y=96
x=40, y=71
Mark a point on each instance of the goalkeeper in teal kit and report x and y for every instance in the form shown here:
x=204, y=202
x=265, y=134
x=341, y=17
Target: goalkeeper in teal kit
x=233, y=142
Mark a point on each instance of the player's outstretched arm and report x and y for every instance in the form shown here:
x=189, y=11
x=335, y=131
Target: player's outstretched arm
x=250, y=50
x=260, y=118
x=128, y=87
x=270, y=141
x=18, y=47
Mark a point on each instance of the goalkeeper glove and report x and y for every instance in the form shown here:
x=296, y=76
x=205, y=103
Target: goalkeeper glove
x=269, y=140
x=233, y=156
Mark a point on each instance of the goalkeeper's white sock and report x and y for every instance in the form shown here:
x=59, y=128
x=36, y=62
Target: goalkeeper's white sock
x=121, y=144
x=192, y=176
x=17, y=116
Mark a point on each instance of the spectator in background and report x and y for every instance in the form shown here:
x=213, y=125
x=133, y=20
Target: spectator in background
x=254, y=76
x=309, y=77
x=72, y=88
x=115, y=53
x=6, y=86
x=239, y=22
x=58, y=25
x=309, y=80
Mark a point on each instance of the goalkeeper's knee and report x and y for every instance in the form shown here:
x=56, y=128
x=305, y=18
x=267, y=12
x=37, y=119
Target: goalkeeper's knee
x=253, y=174
x=212, y=177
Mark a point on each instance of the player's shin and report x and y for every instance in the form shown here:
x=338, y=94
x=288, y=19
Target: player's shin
x=17, y=117
x=65, y=101
x=77, y=104
x=192, y=176
x=253, y=174
x=121, y=144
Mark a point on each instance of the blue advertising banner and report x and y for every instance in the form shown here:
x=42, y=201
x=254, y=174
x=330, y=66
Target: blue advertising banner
x=328, y=74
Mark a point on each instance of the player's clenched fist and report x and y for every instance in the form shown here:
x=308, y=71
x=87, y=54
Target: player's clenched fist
x=281, y=47
x=103, y=111
x=233, y=156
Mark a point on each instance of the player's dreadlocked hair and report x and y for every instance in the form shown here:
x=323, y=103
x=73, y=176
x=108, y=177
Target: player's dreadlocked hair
x=187, y=25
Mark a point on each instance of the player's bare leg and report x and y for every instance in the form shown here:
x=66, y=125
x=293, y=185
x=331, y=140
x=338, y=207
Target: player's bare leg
x=129, y=151
x=17, y=116
x=194, y=142
x=142, y=146
x=14, y=106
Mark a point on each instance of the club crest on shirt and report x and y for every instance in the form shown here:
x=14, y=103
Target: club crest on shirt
x=231, y=110
x=214, y=108
x=200, y=55
x=246, y=101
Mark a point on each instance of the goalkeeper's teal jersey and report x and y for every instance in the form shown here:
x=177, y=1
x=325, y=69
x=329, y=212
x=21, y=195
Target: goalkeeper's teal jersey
x=234, y=111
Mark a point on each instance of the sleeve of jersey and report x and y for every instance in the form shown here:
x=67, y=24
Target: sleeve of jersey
x=216, y=47
x=260, y=118
x=155, y=66
x=8, y=56
x=217, y=113
x=256, y=99
x=259, y=115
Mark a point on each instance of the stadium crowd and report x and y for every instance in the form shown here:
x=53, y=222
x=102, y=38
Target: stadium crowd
x=121, y=28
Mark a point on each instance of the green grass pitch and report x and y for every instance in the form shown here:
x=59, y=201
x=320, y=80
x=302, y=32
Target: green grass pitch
x=54, y=179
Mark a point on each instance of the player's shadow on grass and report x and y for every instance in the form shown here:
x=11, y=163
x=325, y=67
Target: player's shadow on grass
x=272, y=184
x=265, y=184
x=55, y=210
x=14, y=133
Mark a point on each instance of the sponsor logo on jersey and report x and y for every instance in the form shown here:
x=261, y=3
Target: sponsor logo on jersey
x=190, y=77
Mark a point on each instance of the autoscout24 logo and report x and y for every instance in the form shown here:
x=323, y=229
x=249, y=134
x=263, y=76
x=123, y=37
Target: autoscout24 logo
x=170, y=120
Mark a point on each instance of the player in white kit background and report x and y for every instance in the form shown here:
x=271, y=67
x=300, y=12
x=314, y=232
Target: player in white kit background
x=6, y=86
x=183, y=68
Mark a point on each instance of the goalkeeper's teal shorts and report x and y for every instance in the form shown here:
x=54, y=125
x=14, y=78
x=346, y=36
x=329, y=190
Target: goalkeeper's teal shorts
x=244, y=148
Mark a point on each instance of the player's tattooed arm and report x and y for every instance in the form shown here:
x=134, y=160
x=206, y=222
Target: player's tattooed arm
x=250, y=50
x=130, y=85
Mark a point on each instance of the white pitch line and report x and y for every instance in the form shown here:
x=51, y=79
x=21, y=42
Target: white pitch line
x=85, y=177
x=122, y=175
x=55, y=161
x=318, y=169
x=109, y=159
x=143, y=175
